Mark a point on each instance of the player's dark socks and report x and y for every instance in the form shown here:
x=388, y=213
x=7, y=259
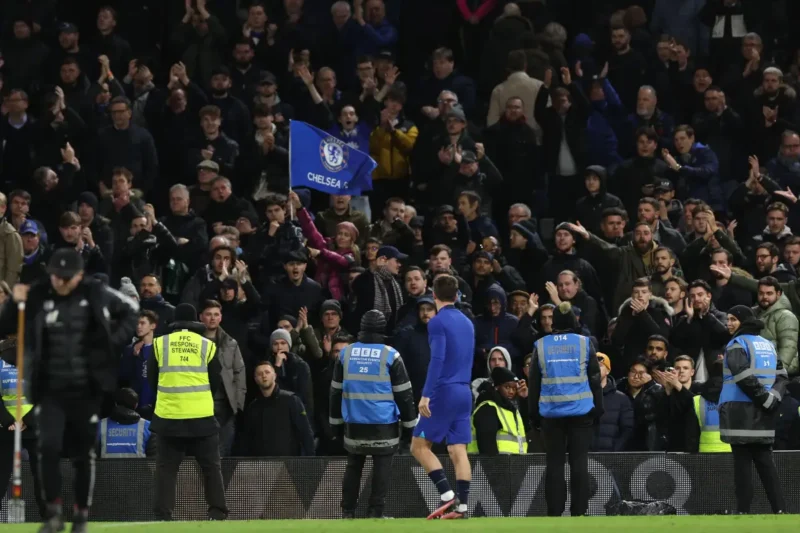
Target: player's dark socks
x=462, y=491
x=440, y=480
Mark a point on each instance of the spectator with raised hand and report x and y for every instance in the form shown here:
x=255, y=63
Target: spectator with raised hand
x=334, y=257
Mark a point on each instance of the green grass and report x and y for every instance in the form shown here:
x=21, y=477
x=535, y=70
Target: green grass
x=694, y=524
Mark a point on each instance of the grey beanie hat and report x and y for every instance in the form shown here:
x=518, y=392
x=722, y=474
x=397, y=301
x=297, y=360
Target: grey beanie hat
x=281, y=334
x=127, y=288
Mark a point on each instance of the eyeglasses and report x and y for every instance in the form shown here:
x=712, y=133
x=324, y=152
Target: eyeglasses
x=637, y=374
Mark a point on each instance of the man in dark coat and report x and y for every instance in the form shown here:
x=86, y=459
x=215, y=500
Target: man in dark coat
x=749, y=426
x=589, y=209
x=615, y=427
x=412, y=340
x=276, y=423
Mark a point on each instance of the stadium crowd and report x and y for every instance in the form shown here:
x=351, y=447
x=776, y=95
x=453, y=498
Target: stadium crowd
x=639, y=159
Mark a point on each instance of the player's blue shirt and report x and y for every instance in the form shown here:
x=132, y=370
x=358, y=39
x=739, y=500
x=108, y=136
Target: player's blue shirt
x=451, y=336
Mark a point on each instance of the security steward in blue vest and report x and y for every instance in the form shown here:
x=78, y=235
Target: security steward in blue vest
x=185, y=372
x=125, y=434
x=8, y=413
x=566, y=400
x=753, y=384
x=371, y=399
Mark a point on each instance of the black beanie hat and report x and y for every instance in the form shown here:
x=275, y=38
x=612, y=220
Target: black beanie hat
x=331, y=305
x=185, y=313
x=501, y=375
x=741, y=312
x=564, y=319
x=373, y=321
x=88, y=198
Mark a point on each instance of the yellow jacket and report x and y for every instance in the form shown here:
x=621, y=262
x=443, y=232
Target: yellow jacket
x=392, y=150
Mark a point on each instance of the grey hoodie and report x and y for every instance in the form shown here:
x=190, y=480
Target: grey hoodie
x=477, y=383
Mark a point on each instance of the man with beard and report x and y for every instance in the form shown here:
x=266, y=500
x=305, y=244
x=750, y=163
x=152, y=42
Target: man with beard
x=665, y=270
x=648, y=115
x=244, y=76
x=565, y=257
x=780, y=324
x=152, y=300
x=649, y=212
x=631, y=262
x=701, y=332
x=785, y=168
x=638, y=171
x=235, y=115
x=626, y=67
x=675, y=295
x=416, y=285
x=767, y=263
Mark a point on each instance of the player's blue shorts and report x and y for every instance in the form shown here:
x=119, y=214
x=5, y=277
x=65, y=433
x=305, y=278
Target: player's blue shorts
x=451, y=411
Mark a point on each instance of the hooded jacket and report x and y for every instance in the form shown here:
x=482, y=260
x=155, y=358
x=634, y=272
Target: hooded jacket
x=611, y=434
x=752, y=415
x=781, y=328
x=589, y=209
x=479, y=385
x=601, y=138
x=495, y=330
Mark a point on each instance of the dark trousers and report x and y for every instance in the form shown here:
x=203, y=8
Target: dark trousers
x=77, y=418
x=171, y=451
x=351, y=484
x=227, y=428
x=571, y=435
x=7, y=464
x=760, y=455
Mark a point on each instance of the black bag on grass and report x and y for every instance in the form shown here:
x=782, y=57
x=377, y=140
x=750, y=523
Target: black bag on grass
x=639, y=508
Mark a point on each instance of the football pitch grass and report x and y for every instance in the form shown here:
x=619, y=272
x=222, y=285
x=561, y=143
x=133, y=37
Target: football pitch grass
x=650, y=524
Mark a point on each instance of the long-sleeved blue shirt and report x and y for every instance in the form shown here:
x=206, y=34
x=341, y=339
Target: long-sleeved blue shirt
x=133, y=369
x=451, y=336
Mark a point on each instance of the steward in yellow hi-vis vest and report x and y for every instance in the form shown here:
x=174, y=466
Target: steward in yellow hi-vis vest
x=185, y=373
x=497, y=425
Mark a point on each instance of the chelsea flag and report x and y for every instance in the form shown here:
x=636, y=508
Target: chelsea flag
x=322, y=162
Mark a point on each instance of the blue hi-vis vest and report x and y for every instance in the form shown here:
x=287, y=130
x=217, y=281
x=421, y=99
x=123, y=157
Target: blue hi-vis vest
x=763, y=365
x=122, y=441
x=367, y=395
x=8, y=390
x=563, y=361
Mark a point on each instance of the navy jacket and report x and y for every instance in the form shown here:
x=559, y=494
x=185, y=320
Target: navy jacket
x=699, y=176
x=493, y=331
x=616, y=424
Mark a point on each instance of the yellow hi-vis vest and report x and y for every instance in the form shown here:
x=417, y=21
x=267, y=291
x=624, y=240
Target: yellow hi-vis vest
x=184, y=391
x=707, y=414
x=8, y=390
x=510, y=439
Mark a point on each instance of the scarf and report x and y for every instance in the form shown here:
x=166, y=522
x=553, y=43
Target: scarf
x=382, y=301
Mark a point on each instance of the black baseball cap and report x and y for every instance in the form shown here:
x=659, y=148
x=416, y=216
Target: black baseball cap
x=663, y=185
x=390, y=252
x=65, y=263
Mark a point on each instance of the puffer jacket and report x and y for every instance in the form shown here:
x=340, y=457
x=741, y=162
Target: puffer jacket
x=479, y=385
x=392, y=150
x=781, y=328
x=616, y=424
x=762, y=412
x=332, y=266
x=495, y=330
x=650, y=417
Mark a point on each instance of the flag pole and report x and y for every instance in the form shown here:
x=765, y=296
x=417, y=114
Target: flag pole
x=16, y=506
